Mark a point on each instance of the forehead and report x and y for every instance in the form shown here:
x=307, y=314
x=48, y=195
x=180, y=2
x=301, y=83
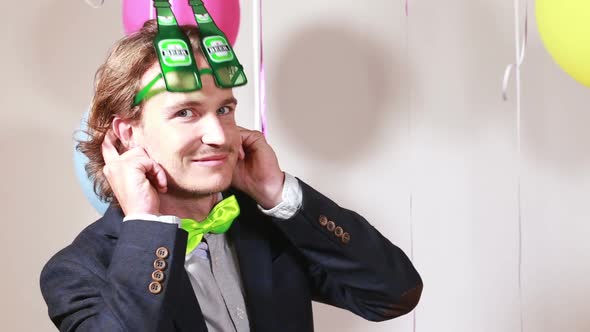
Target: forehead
x=209, y=94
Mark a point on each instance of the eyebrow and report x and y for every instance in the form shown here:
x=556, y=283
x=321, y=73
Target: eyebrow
x=197, y=104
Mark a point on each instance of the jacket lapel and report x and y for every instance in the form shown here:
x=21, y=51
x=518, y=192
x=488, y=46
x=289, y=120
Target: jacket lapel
x=188, y=315
x=252, y=247
x=112, y=221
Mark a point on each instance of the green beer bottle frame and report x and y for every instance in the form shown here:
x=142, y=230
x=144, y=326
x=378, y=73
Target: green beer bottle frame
x=177, y=60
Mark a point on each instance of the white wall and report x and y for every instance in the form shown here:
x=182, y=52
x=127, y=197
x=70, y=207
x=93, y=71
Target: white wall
x=398, y=118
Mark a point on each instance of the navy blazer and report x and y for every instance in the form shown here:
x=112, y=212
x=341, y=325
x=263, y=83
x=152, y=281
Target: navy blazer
x=324, y=253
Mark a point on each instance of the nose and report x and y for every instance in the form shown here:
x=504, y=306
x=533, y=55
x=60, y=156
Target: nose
x=213, y=131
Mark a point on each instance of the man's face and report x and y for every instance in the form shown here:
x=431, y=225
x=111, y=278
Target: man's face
x=192, y=135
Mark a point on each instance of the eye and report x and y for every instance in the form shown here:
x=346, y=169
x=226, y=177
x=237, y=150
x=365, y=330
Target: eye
x=185, y=113
x=224, y=110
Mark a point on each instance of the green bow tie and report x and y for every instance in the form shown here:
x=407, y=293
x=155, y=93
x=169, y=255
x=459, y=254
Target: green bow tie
x=218, y=221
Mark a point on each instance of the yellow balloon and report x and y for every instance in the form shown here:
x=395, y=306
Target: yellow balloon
x=564, y=26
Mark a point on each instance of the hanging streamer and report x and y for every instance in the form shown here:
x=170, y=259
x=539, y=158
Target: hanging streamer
x=262, y=80
x=520, y=47
x=407, y=13
x=95, y=3
x=152, y=10
x=259, y=73
x=407, y=9
x=520, y=55
x=262, y=97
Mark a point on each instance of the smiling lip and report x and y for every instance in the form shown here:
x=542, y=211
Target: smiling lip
x=211, y=160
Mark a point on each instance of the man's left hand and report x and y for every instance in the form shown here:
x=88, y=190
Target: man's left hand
x=257, y=172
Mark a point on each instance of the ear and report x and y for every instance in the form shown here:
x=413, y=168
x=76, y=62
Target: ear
x=127, y=132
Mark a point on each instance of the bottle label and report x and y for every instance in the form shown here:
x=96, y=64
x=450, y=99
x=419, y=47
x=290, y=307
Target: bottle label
x=203, y=18
x=218, y=49
x=166, y=20
x=175, y=52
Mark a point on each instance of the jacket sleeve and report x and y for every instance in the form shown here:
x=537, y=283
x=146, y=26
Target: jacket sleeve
x=87, y=292
x=351, y=265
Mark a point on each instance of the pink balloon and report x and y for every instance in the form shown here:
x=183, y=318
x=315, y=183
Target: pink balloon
x=225, y=13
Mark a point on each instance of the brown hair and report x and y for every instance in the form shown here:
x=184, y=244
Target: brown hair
x=116, y=83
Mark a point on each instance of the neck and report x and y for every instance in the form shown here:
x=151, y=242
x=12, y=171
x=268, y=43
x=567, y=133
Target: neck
x=196, y=208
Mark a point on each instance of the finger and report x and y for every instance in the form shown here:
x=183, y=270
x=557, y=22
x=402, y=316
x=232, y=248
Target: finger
x=244, y=132
x=250, y=138
x=109, y=151
x=155, y=182
x=136, y=152
x=241, y=153
x=154, y=171
x=160, y=177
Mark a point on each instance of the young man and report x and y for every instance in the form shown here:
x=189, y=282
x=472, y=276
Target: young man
x=174, y=157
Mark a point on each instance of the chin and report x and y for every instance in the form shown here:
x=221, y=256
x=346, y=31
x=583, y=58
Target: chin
x=192, y=191
x=207, y=184
x=213, y=187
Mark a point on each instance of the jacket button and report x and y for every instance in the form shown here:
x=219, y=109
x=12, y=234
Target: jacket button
x=155, y=287
x=158, y=275
x=162, y=252
x=330, y=226
x=323, y=220
x=159, y=264
x=345, y=238
x=338, y=231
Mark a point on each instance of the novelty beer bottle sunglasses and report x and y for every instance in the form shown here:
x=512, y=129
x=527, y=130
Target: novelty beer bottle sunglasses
x=177, y=60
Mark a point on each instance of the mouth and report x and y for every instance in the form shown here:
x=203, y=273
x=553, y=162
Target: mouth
x=213, y=160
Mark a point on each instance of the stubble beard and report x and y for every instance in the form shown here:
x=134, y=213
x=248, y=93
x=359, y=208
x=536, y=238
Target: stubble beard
x=178, y=191
x=188, y=191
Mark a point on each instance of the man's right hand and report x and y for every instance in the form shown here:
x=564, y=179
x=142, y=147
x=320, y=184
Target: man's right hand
x=134, y=178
